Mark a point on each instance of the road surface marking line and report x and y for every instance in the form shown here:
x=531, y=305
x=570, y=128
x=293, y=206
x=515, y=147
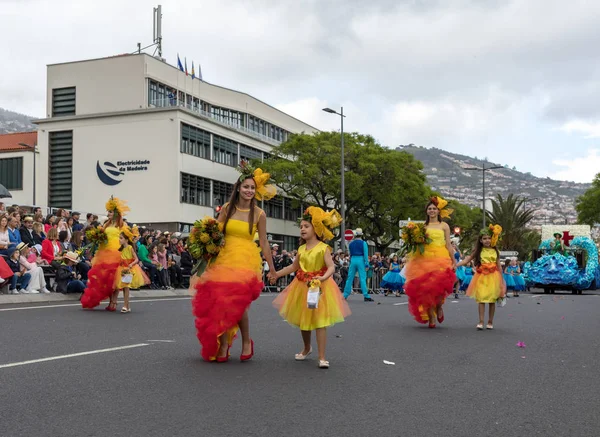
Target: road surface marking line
x=401, y=303
x=79, y=354
x=158, y=299
x=163, y=341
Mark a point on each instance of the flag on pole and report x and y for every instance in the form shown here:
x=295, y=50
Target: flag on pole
x=193, y=71
x=199, y=72
x=179, y=63
x=186, y=72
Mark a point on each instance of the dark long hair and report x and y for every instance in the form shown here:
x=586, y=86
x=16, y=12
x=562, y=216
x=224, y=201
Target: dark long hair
x=477, y=253
x=235, y=195
x=427, y=215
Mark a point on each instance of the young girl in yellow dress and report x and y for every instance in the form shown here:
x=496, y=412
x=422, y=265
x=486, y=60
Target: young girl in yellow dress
x=487, y=285
x=313, y=264
x=129, y=274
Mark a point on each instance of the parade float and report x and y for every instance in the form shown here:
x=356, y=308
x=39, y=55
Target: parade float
x=567, y=259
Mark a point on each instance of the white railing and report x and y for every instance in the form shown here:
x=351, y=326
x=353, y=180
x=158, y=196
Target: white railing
x=166, y=102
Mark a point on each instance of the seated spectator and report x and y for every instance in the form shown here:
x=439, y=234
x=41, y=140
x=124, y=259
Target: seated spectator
x=20, y=276
x=5, y=271
x=27, y=235
x=51, y=248
x=67, y=279
x=147, y=263
x=76, y=225
x=4, y=238
x=37, y=282
x=38, y=232
x=35, y=256
x=14, y=235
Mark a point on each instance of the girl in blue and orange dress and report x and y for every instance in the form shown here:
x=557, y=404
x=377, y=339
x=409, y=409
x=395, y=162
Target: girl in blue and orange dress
x=314, y=262
x=487, y=285
x=514, y=271
x=224, y=292
x=430, y=275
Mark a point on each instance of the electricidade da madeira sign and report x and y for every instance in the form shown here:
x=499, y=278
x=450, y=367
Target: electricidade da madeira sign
x=113, y=174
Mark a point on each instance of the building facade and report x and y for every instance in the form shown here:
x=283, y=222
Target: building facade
x=137, y=128
x=17, y=167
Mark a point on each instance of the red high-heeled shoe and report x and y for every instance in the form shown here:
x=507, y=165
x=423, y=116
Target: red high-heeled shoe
x=247, y=357
x=431, y=325
x=440, y=319
x=111, y=308
x=225, y=358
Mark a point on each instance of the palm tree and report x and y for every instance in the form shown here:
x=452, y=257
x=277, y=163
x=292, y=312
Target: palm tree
x=513, y=216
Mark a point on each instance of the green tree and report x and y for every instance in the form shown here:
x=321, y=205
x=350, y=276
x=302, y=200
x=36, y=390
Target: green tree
x=468, y=220
x=383, y=186
x=588, y=204
x=512, y=214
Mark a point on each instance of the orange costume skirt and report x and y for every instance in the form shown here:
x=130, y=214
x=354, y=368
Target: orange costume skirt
x=225, y=291
x=429, y=280
x=487, y=285
x=101, y=277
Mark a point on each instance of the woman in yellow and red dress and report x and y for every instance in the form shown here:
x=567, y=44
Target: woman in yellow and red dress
x=224, y=292
x=106, y=261
x=430, y=275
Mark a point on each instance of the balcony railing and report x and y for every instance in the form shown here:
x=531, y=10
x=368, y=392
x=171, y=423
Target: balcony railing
x=167, y=102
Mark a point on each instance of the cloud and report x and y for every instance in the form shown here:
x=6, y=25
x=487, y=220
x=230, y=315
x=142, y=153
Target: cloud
x=580, y=169
x=588, y=129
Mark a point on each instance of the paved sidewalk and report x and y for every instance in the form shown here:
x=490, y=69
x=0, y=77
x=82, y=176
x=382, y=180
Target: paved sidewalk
x=59, y=297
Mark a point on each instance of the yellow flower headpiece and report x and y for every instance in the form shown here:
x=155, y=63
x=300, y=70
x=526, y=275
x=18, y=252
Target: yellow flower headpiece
x=263, y=191
x=128, y=233
x=441, y=205
x=135, y=231
x=323, y=222
x=495, y=232
x=117, y=206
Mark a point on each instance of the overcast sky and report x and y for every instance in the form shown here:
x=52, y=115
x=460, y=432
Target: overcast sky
x=515, y=81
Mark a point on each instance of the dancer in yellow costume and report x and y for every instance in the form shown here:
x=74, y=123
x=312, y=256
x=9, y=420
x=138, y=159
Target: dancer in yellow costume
x=487, y=285
x=224, y=292
x=430, y=275
x=313, y=266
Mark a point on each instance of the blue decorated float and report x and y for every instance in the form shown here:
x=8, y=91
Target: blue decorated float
x=566, y=261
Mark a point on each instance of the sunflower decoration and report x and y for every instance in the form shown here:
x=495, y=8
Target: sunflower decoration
x=126, y=230
x=441, y=204
x=494, y=232
x=117, y=206
x=323, y=222
x=264, y=191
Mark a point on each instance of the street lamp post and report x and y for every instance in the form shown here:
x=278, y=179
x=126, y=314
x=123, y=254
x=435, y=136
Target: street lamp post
x=343, y=182
x=483, y=169
x=35, y=152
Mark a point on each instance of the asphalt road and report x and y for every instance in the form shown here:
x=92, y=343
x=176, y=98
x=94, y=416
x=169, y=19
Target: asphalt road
x=451, y=381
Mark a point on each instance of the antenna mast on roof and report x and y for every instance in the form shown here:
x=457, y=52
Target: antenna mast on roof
x=157, y=29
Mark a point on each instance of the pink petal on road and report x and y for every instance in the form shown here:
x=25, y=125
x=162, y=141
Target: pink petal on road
x=562, y=318
x=520, y=344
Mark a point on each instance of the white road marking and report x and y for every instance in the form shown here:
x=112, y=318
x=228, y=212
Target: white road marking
x=401, y=303
x=158, y=299
x=163, y=341
x=79, y=354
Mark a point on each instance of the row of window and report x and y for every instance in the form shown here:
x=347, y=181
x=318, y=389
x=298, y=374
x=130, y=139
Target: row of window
x=197, y=190
x=161, y=95
x=11, y=173
x=197, y=142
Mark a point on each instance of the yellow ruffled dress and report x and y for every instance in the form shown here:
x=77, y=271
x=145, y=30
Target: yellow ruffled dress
x=488, y=283
x=292, y=302
x=139, y=277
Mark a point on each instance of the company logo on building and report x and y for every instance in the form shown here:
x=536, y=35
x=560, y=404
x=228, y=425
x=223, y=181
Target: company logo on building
x=113, y=174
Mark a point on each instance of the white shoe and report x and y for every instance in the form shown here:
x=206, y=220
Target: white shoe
x=34, y=292
x=323, y=364
x=13, y=292
x=2, y=281
x=45, y=290
x=22, y=291
x=301, y=357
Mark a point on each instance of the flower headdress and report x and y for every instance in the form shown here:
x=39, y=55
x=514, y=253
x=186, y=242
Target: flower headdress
x=117, y=206
x=441, y=205
x=493, y=231
x=263, y=191
x=135, y=231
x=126, y=230
x=323, y=222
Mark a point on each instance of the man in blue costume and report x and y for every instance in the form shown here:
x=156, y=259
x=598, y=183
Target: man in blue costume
x=359, y=262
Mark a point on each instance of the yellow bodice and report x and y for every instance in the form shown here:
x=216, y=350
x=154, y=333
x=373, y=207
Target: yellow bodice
x=437, y=237
x=113, y=238
x=313, y=260
x=239, y=229
x=127, y=253
x=488, y=255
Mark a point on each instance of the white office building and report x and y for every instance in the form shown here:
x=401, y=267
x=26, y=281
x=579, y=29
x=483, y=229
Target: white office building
x=137, y=128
